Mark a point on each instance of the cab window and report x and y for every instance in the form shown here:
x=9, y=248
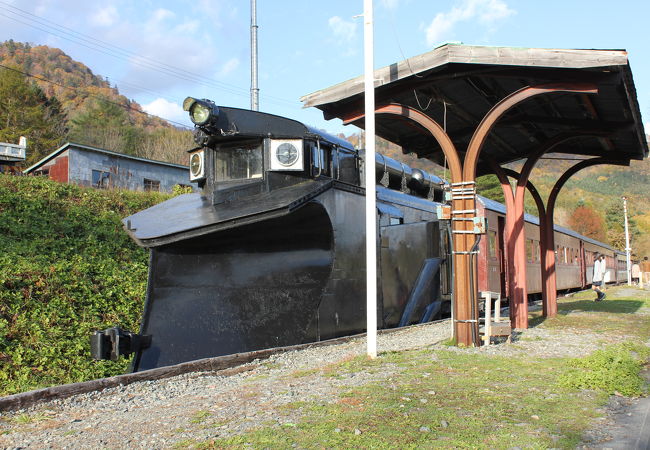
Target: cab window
x=241, y=161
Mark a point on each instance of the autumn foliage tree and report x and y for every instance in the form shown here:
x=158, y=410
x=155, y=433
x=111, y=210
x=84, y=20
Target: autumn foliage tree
x=588, y=222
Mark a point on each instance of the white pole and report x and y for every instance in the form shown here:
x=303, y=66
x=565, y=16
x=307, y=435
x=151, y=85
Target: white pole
x=627, y=244
x=371, y=200
x=255, y=92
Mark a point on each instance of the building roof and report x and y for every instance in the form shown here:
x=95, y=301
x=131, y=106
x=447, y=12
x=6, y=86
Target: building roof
x=68, y=145
x=456, y=85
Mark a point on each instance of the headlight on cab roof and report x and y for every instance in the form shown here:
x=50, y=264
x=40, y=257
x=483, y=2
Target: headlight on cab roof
x=202, y=112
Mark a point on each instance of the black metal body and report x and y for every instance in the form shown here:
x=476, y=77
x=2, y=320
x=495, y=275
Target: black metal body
x=280, y=260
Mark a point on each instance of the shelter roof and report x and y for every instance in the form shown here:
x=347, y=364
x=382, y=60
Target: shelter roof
x=456, y=85
x=69, y=145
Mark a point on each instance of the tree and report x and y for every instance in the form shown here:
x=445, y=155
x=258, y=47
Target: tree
x=588, y=222
x=26, y=111
x=105, y=124
x=489, y=186
x=166, y=144
x=616, y=225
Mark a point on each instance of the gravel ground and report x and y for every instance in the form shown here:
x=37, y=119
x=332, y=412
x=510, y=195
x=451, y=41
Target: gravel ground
x=202, y=406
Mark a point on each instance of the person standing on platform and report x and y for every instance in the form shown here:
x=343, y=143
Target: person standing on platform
x=599, y=276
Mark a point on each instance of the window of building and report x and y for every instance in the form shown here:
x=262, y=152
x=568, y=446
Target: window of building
x=101, y=179
x=151, y=185
x=529, y=250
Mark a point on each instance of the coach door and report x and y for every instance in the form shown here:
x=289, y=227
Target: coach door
x=583, y=265
x=502, y=257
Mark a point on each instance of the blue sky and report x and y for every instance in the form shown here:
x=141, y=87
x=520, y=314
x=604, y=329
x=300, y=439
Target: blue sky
x=159, y=52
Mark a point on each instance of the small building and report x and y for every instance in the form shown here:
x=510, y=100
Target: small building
x=11, y=155
x=96, y=167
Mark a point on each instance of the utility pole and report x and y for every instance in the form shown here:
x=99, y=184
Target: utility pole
x=371, y=196
x=255, y=92
x=627, y=244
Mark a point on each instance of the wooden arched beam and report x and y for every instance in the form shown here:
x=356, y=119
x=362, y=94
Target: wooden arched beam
x=547, y=293
x=498, y=110
x=439, y=134
x=550, y=209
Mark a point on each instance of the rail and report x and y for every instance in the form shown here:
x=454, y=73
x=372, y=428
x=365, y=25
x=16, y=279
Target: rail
x=217, y=364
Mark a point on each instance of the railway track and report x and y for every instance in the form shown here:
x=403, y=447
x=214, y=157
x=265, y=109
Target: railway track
x=219, y=364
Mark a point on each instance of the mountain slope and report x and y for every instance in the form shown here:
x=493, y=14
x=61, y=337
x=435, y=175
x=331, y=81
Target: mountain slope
x=95, y=112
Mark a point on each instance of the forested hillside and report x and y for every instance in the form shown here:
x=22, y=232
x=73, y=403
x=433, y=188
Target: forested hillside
x=76, y=105
x=66, y=268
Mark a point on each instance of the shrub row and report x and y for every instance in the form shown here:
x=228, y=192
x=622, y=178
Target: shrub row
x=66, y=268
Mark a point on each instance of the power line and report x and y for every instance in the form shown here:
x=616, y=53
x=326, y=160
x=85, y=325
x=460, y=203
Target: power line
x=126, y=107
x=126, y=55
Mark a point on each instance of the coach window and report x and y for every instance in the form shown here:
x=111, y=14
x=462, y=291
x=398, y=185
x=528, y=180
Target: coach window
x=492, y=244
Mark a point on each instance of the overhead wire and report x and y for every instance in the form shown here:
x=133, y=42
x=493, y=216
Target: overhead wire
x=126, y=107
x=123, y=54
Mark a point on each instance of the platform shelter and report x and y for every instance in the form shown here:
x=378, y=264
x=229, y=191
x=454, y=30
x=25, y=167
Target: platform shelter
x=475, y=109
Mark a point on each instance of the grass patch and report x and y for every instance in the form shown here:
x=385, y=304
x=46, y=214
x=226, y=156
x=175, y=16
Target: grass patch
x=23, y=419
x=200, y=416
x=614, y=370
x=452, y=397
x=616, y=316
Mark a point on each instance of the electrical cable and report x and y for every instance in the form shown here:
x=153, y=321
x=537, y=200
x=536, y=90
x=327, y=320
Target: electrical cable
x=126, y=107
x=126, y=55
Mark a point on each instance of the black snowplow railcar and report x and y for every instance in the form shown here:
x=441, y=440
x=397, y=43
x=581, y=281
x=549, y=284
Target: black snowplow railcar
x=271, y=251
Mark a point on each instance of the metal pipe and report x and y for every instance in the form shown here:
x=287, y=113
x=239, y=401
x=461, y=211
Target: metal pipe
x=371, y=192
x=627, y=244
x=255, y=92
x=415, y=178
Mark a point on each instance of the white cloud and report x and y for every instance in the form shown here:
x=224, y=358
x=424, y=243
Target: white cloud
x=343, y=31
x=486, y=12
x=166, y=109
x=105, y=17
x=390, y=4
x=161, y=14
x=229, y=66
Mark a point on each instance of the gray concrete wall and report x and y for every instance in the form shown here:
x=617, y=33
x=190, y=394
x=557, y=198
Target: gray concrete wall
x=124, y=173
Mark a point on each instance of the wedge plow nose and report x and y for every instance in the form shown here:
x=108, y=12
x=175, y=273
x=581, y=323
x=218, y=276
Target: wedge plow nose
x=239, y=290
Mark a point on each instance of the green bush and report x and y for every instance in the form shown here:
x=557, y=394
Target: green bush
x=66, y=268
x=614, y=369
